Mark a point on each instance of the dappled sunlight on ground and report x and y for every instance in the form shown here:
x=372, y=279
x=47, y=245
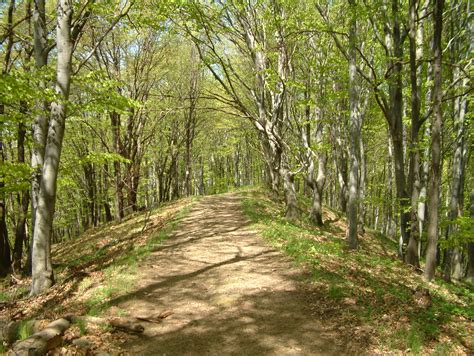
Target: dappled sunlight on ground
x=369, y=293
x=229, y=292
x=86, y=258
x=238, y=278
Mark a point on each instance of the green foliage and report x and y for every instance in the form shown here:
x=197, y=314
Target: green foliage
x=20, y=86
x=16, y=176
x=462, y=232
x=25, y=329
x=101, y=158
x=82, y=325
x=98, y=94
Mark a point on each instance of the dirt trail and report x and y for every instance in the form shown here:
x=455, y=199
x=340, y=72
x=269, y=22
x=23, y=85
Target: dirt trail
x=230, y=292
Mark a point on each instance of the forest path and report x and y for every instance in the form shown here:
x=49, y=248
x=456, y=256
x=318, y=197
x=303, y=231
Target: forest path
x=230, y=292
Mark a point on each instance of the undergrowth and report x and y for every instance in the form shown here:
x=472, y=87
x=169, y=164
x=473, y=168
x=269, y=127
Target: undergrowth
x=370, y=286
x=96, y=271
x=121, y=276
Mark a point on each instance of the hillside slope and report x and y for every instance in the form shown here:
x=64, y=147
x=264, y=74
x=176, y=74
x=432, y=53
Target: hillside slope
x=92, y=269
x=369, y=293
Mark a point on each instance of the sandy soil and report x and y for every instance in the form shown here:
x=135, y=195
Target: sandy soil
x=230, y=292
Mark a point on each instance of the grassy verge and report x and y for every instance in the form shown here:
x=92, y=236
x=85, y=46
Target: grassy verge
x=368, y=293
x=121, y=276
x=98, y=266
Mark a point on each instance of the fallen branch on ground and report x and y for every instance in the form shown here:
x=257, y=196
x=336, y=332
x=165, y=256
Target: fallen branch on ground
x=43, y=341
x=129, y=325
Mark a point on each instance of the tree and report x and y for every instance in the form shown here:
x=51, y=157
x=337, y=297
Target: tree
x=355, y=132
x=436, y=124
x=42, y=273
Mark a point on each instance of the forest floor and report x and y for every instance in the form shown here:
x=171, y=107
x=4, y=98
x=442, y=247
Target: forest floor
x=229, y=291
x=236, y=278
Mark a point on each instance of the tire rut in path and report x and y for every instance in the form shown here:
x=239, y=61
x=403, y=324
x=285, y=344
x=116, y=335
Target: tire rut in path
x=230, y=292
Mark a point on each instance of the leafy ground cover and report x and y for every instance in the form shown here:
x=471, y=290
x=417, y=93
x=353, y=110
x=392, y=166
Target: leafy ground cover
x=370, y=290
x=93, y=269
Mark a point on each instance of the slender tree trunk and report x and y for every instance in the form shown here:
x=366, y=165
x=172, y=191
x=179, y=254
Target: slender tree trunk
x=5, y=258
x=355, y=133
x=5, y=261
x=43, y=277
x=108, y=213
x=40, y=123
x=23, y=202
x=459, y=51
x=414, y=178
x=470, y=246
x=291, y=201
x=394, y=116
x=340, y=160
x=316, y=214
x=436, y=125
x=117, y=144
x=191, y=122
x=457, y=172
x=236, y=164
x=362, y=181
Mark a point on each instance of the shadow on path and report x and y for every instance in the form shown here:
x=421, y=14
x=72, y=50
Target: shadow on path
x=230, y=292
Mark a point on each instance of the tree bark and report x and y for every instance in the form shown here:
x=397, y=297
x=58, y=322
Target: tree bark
x=23, y=201
x=41, y=342
x=414, y=176
x=5, y=261
x=42, y=273
x=40, y=123
x=291, y=201
x=436, y=125
x=355, y=133
x=5, y=257
x=316, y=213
x=117, y=144
x=470, y=246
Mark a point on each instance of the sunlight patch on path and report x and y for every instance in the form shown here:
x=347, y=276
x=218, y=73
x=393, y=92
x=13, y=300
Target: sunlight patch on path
x=230, y=292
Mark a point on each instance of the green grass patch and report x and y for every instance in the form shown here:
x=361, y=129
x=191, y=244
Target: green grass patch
x=121, y=276
x=380, y=283
x=25, y=329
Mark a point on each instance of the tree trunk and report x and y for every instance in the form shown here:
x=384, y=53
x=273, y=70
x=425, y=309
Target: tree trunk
x=5, y=261
x=340, y=145
x=291, y=201
x=24, y=201
x=414, y=176
x=354, y=128
x=40, y=123
x=454, y=266
x=316, y=214
x=108, y=213
x=43, y=277
x=43, y=341
x=236, y=164
x=470, y=246
x=5, y=258
x=117, y=144
x=394, y=116
x=436, y=125
x=362, y=179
